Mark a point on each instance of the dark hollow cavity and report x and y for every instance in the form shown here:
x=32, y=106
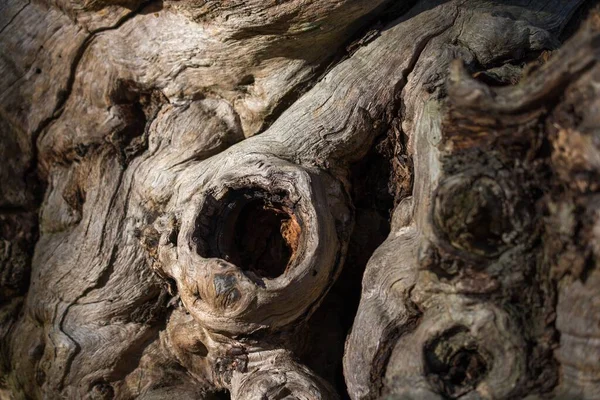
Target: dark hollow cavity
x=454, y=364
x=251, y=228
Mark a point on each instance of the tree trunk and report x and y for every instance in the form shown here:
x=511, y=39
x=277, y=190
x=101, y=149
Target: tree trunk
x=193, y=193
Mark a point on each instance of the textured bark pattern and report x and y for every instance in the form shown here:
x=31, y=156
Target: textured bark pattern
x=191, y=190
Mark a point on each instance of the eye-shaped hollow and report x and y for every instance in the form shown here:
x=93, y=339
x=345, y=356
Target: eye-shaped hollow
x=473, y=213
x=256, y=230
x=260, y=245
x=459, y=350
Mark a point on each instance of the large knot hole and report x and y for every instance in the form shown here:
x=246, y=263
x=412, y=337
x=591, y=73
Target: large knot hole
x=256, y=230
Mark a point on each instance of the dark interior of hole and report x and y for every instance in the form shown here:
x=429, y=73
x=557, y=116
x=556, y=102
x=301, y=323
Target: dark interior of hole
x=221, y=395
x=473, y=218
x=258, y=242
x=251, y=228
x=376, y=187
x=465, y=367
x=454, y=365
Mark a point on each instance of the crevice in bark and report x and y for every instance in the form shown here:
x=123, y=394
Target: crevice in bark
x=101, y=282
x=221, y=395
x=77, y=348
x=18, y=234
x=14, y=17
x=389, y=338
x=378, y=182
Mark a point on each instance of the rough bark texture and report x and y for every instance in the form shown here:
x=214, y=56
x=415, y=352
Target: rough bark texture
x=191, y=192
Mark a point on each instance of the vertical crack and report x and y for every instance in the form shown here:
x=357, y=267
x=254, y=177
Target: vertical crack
x=12, y=19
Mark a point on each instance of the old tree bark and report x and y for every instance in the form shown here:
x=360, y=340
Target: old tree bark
x=299, y=199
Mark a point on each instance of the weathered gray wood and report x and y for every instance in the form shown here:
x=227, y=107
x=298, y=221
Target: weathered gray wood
x=196, y=162
x=474, y=291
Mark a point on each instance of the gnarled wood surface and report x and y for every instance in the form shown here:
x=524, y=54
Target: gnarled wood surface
x=191, y=191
